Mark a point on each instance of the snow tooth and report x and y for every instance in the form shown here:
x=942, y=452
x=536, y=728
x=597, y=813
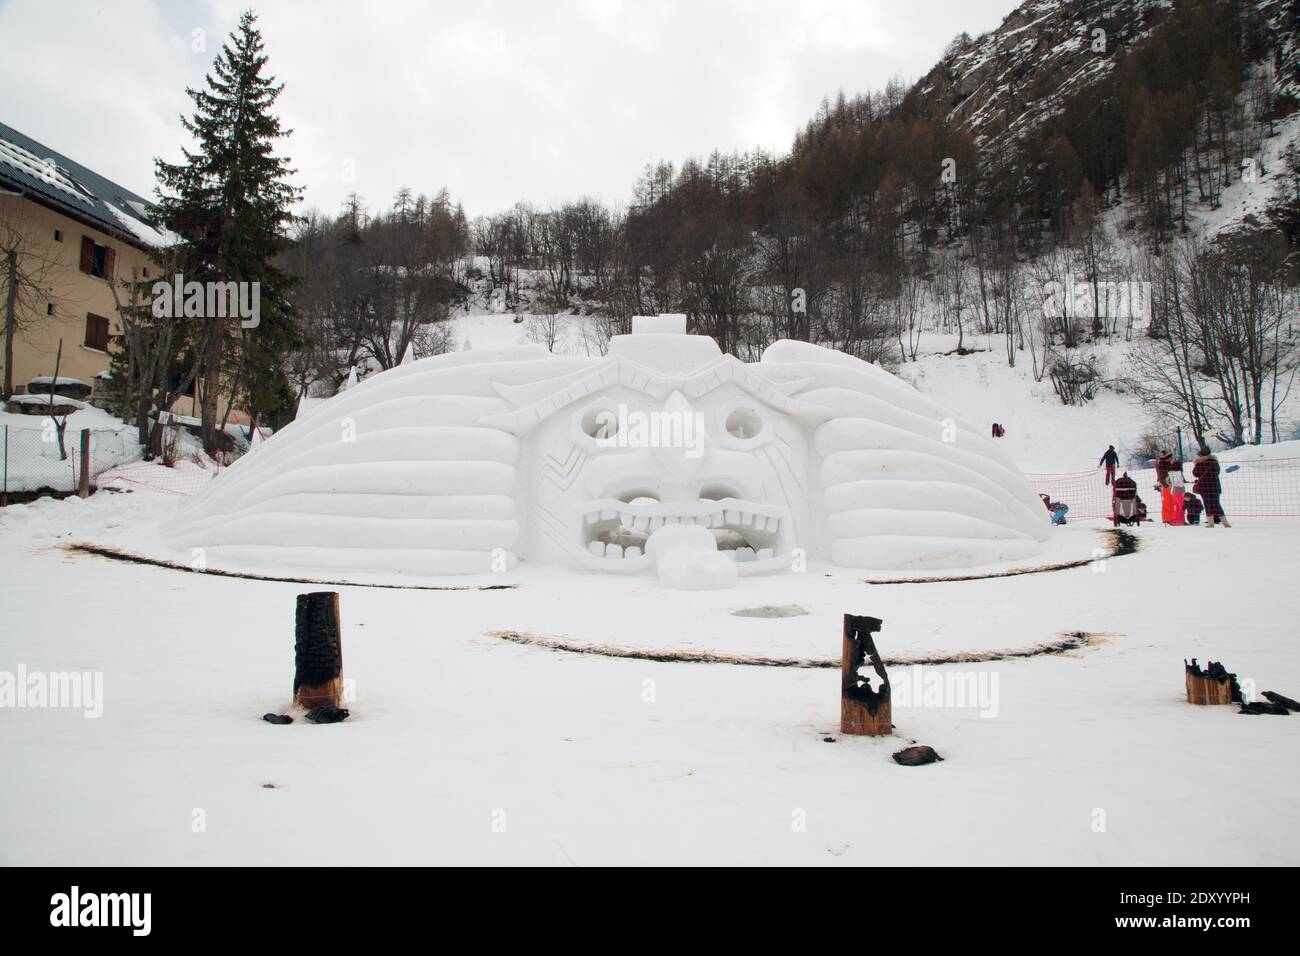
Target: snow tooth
x=597, y=548
x=614, y=551
x=632, y=551
x=764, y=553
x=773, y=524
x=744, y=554
x=593, y=517
x=641, y=522
x=733, y=517
x=656, y=522
x=625, y=519
x=607, y=514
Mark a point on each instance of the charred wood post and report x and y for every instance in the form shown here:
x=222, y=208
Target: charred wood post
x=863, y=711
x=1213, y=685
x=318, y=651
x=1282, y=700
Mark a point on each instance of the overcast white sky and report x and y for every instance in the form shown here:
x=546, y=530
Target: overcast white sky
x=498, y=100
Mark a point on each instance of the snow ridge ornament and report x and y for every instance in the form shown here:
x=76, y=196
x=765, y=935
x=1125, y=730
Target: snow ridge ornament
x=461, y=457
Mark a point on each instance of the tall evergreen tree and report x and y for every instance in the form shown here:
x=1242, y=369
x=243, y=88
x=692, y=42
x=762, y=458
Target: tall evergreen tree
x=230, y=203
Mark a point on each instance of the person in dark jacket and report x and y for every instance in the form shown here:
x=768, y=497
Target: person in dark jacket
x=1206, y=473
x=1192, y=509
x=1125, y=487
x=1111, y=460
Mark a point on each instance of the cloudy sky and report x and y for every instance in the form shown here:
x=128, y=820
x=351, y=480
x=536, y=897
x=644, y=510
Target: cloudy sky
x=498, y=100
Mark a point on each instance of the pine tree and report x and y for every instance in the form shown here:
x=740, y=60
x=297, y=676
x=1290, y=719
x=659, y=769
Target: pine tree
x=230, y=203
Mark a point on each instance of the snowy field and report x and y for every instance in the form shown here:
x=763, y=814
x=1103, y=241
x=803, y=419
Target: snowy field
x=466, y=748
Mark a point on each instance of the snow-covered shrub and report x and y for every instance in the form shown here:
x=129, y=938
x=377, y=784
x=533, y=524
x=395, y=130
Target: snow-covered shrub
x=1076, y=378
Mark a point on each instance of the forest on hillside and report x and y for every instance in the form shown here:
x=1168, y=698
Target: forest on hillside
x=891, y=212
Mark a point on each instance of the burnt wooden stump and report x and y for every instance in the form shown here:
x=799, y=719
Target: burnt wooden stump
x=863, y=711
x=318, y=651
x=1211, y=685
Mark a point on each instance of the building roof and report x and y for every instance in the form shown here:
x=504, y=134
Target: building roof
x=54, y=180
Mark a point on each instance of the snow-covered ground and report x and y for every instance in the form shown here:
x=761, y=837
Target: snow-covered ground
x=1041, y=433
x=465, y=748
x=500, y=726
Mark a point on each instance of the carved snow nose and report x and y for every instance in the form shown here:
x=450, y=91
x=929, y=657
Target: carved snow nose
x=684, y=444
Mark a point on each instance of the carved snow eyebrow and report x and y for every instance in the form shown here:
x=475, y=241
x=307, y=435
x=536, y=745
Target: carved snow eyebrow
x=538, y=401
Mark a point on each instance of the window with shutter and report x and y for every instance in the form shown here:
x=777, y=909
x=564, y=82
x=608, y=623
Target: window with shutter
x=96, y=260
x=96, y=332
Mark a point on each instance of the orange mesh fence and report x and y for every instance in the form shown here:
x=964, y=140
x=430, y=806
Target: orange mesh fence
x=1262, y=489
x=185, y=478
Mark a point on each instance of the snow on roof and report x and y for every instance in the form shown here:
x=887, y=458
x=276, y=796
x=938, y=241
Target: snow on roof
x=57, y=181
x=158, y=238
x=49, y=380
x=44, y=169
x=45, y=399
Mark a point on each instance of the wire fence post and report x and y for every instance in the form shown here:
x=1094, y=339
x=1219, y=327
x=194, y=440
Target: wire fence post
x=83, y=482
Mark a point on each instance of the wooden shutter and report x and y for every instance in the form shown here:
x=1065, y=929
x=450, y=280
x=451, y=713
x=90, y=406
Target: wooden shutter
x=110, y=263
x=87, y=255
x=96, y=332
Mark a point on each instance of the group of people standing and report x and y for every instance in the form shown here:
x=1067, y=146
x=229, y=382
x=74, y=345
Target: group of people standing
x=1178, y=506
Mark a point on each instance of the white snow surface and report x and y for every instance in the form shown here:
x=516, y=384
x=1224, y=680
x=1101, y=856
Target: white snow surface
x=596, y=760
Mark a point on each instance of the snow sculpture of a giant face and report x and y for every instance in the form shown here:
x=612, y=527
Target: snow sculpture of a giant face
x=467, y=462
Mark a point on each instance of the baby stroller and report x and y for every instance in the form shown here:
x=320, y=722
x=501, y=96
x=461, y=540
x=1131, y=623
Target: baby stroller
x=1126, y=506
x=1127, y=511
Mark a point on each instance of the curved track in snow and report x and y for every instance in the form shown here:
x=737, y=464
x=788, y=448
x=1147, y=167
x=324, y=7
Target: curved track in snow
x=1122, y=543
x=1069, y=641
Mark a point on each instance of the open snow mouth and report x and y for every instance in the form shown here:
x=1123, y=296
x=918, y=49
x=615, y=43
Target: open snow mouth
x=614, y=533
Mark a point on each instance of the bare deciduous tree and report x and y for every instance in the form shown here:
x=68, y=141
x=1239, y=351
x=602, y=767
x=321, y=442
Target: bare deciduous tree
x=26, y=268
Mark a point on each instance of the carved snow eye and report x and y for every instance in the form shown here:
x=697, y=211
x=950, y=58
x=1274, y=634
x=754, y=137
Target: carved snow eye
x=744, y=423
x=599, y=422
